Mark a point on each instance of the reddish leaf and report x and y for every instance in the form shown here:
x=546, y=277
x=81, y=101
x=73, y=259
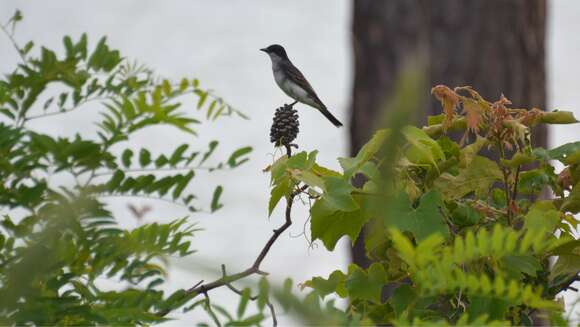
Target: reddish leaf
x=449, y=100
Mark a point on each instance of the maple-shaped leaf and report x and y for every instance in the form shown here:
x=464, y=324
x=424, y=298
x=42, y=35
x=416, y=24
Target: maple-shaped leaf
x=366, y=285
x=423, y=220
x=325, y=286
x=329, y=224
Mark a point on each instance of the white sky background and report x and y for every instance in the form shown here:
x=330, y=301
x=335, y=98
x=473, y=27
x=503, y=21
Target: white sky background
x=217, y=41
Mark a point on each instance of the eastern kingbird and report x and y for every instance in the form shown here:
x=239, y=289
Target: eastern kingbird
x=293, y=83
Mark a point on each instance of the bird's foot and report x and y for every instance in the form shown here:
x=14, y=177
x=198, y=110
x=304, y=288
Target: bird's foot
x=291, y=105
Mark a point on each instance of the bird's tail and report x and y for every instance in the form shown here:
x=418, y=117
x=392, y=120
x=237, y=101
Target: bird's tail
x=330, y=117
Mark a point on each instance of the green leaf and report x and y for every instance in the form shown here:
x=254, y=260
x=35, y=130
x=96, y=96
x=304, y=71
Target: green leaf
x=542, y=216
x=27, y=47
x=234, y=159
x=569, y=247
x=450, y=148
x=465, y=215
x=329, y=224
x=338, y=193
x=126, y=158
x=469, y=152
x=298, y=161
x=144, y=157
x=567, y=265
x=115, y=180
x=370, y=170
x=558, y=117
x=334, y=284
x=351, y=166
x=182, y=184
x=161, y=161
x=202, y=98
x=366, y=285
x=423, y=221
x=402, y=298
x=215, y=201
x=263, y=293
x=435, y=119
x=518, y=159
x=166, y=87
x=492, y=307
x=422, y=149
x=178, y=154
x=282, y=189
x=572, y=201
x=308, y=178
x=244, y=299
x=210, y=109
x=278, y=170
x=516, y=265
x=211, y=148
x=532, y=181
x=568, y=153
x=475, y=178
x=7, y=113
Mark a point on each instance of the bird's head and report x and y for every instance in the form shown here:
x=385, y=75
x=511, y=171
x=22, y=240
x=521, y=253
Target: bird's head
x=275, y=50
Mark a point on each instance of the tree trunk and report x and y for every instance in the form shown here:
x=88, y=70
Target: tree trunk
x=496, y=46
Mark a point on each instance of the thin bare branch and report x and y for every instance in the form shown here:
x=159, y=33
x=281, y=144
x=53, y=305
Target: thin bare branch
x=210, y=310
x=65, y=111
x=145, y=170
x=253, y=298
x=255, y=268
x=14, y=43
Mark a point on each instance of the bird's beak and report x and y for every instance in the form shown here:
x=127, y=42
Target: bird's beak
x=264, y=49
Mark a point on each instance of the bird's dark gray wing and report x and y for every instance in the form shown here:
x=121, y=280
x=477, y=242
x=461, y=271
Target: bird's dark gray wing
x=296, y=76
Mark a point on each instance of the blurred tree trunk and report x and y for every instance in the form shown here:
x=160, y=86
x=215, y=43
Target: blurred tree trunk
x=496, y=46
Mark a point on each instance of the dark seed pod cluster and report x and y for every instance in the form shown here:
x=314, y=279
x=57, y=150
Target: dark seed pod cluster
x=285, y=126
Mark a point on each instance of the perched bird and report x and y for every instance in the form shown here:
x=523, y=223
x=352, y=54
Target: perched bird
x=293, y=83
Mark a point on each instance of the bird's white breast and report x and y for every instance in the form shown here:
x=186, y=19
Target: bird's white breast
x=292, y=89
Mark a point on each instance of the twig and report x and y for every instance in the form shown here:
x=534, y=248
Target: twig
x=255, y=268
x=196, y=285
x=566, y=285
x=147, y=197
x=145, y=170
x=253, y=298
x=515, y=191
x=13, y=41
x=505, y=172
x=210, y=310
x=65, y=111
x=280, y=230
x=358, y=192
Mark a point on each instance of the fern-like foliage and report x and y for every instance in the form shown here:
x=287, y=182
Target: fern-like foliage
x=61, y=248
x=440, y=270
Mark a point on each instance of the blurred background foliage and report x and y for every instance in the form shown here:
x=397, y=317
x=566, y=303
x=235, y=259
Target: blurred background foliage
x=59, y=239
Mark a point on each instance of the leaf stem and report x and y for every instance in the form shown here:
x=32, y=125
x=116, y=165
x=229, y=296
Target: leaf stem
x=144, y=170
x=65, y=111
x=506, y=173
x=14, y=43
x=253, y=298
